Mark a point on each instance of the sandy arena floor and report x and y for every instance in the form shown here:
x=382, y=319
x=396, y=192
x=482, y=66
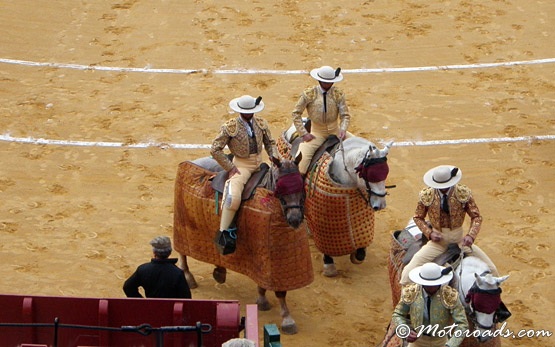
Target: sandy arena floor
x=100, y=82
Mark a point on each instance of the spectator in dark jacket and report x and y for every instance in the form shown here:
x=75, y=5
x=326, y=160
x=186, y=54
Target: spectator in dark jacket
x=160, y=278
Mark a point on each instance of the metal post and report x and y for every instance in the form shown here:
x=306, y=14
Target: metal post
x=160, y=338
x=56, y=322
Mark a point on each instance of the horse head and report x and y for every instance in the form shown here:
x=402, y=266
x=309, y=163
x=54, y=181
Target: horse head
x=289, y=189
x=371, y=170
x=483, y=303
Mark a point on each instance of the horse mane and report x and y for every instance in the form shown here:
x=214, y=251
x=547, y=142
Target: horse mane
x=467, y=269
x=358, y=142
x=269, y=180
x=208, y=163
x=351, y=155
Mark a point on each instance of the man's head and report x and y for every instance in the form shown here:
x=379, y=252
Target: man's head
x=443, y=176
x=247, y=106
x=161, y=246
x=327, y=76
x=239, y=342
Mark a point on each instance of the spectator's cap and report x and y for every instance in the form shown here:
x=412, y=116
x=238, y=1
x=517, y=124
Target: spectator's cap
x=443, y=176
x=327, y=74
x=247, y=104
x=161, y=244
x=431, y=274
x=239, y=342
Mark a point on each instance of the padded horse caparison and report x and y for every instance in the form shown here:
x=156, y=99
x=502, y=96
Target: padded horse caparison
x=218, y=182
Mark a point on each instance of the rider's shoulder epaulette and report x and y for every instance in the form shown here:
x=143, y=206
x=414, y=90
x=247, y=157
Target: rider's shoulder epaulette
x=426, y=196
x=262, y=123
x=462, y=193
x=409, y=293
x=310, y=93
x=231, y=127
x=449, y=296
x=338, y=93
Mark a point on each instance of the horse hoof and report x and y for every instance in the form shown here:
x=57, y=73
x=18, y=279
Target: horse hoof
x=289, y=327
x=219, y=275
x=329, y=270
x=263, y=305
x=354, y=259
x=191, y=281
x=358, y=256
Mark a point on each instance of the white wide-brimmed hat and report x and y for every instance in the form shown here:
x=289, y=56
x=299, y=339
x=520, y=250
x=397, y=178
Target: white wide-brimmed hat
x=247, y=104
x=443, y=176
x=431, y=274
x=327, y=74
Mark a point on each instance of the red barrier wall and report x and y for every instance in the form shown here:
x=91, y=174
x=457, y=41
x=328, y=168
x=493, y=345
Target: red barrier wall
x=223, y=316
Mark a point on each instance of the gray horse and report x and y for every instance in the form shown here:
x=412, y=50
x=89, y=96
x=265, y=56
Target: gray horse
x=355, y=176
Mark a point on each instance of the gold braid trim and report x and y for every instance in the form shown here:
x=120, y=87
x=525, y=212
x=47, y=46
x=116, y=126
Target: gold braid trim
x=231, y=127
x=462, y=193
x=449, y=296
x=426, y=196
x=409, y=293
x=310, y=93
x=338, y=94
x=262, y=123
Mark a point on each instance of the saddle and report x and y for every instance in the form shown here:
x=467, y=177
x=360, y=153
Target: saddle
x=225, y=240
x=329, y=146
x=450, y=256
x=218, y=181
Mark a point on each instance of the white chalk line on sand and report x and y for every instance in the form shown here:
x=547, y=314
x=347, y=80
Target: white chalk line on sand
x=41, y=141
x=150, y=69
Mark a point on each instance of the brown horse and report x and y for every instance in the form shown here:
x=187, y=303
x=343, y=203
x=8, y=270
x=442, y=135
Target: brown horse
x=270, y=250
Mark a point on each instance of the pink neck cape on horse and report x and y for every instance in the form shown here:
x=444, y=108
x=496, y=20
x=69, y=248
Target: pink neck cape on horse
x=269, y=251
x=343, y=189
x=470, y=275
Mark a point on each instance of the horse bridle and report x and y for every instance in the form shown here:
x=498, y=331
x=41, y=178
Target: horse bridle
x=284, y=205
x=470, y=310
x=366, y=162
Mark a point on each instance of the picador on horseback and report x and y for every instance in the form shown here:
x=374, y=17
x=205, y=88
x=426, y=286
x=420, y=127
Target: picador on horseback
x=244, y=136
x=445, y=203
x=325, y=105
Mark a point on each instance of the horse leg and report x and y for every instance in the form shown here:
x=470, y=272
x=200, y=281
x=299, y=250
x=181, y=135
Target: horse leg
x=219, y=274
x=358, y=256
x=329, y=267
x=262, y=301
x=188, y=275
x=288, y=325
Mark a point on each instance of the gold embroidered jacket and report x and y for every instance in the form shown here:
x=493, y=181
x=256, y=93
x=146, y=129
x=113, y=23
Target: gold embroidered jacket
x=234, y=135
x=313, y=101
x=461, y=203
x=445, y=309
